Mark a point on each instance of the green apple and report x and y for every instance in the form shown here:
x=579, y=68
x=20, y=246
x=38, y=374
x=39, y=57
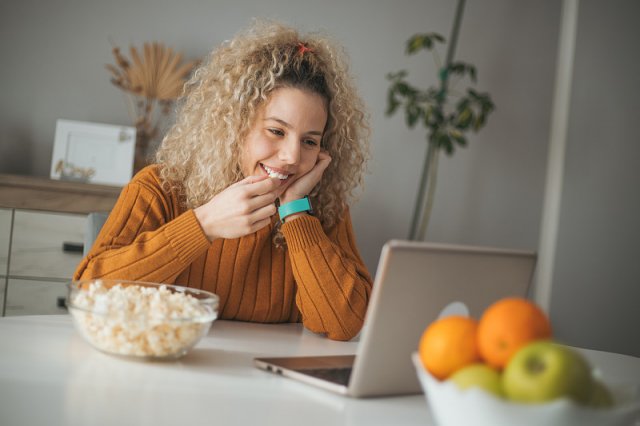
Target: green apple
x=543, y=371
x=600, y=396
x=479, y=375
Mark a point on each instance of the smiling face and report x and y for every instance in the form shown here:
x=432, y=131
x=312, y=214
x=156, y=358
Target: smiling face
x=284, y=140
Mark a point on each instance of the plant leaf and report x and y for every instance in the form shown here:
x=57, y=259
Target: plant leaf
x=413, y=113
x=463, y=119
x=392, y=102
x=458, y=137
x=444, y=141
x=479, y=122
x=475, y=96
x=462, y=69
x=398, y=75
x=405, y=89
x=462, y=104
x=423, y=41
x=426, y=117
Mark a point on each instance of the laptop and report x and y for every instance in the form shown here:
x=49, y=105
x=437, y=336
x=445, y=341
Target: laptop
x=413, y=283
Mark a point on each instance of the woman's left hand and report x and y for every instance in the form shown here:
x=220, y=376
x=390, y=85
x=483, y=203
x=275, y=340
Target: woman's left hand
x=305, y=184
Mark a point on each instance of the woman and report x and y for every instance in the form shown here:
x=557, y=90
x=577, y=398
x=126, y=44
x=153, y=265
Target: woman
x=248, y=196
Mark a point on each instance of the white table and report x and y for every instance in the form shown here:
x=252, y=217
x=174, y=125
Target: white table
x=50, y=376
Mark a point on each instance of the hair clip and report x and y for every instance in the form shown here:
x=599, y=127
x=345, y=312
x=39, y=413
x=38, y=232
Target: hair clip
x=302, y=47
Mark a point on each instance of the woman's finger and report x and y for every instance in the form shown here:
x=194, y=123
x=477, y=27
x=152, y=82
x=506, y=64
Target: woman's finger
x=254, y=179
x=263, y=186
x=262, y=213
x=324, y=155
x=260, y=224
x=259, y=201
x=249, y=180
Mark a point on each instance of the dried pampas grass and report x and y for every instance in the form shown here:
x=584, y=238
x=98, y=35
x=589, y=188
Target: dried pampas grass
x=154, y=76
x=155, y=73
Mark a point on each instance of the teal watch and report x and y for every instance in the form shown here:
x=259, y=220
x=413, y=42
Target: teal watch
x=295, y=206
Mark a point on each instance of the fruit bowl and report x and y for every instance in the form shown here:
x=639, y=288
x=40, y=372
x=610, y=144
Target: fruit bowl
x=451, y=406
x=141, y=320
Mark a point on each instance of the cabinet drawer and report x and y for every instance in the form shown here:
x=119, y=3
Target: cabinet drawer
x=5, y=234
x=29, y=297
x=36, y=248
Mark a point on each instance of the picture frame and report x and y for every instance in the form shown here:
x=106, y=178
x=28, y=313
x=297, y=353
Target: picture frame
x=93, y=152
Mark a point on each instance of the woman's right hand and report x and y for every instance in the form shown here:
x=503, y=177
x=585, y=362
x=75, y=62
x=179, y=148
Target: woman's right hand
x=241, y=209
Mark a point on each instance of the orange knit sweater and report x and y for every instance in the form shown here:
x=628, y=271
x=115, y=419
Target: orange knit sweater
x=319, y=278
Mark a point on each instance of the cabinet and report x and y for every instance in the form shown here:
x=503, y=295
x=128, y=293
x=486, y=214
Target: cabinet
x=37, y=266
x=37, y=216
x=35, y=297
x=36, y=193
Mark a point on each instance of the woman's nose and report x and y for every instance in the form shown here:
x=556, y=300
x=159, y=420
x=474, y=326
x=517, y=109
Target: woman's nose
x=290, y=151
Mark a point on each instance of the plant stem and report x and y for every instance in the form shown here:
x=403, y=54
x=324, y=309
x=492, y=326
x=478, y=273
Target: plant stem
x=421, y=191
x=431, y=190
x=429, y=171
x=453, y=40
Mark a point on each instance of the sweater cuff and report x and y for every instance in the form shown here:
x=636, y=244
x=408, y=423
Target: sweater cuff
x=186, y=236
x=302, y=232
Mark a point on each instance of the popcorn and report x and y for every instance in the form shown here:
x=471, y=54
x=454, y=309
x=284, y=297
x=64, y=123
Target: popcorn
x=140, y=321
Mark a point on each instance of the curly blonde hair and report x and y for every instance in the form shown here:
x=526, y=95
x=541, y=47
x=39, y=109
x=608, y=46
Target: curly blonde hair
x=201, y=154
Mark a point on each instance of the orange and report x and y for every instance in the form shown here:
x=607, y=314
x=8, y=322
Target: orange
x=449, y=344
x=506, y=326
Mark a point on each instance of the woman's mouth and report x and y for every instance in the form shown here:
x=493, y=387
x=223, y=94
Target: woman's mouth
x=273, y=173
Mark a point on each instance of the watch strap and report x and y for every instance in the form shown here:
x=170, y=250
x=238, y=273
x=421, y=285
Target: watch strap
x=295, y=206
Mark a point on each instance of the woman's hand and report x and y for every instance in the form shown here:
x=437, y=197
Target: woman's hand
x=303, y=185
x=241, y=209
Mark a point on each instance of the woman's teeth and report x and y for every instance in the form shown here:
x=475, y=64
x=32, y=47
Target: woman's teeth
x=272, y=173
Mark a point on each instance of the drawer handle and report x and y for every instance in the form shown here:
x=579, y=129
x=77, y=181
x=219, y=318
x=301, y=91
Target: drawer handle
x=72, y=247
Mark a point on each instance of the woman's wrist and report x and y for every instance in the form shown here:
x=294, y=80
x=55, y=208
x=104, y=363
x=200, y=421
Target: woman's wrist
x=293, y=209
x=295, y=216
x=200, y=214
x=284, y=199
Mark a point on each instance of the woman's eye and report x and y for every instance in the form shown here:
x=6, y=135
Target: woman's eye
x=277, y=132
x=310, y=142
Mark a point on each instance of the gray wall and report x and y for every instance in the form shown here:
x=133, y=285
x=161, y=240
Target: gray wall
x=596, y=284
x=53, y=55
x=53, y=67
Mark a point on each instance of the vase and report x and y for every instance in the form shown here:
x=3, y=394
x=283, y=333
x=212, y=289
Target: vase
x=141, y=156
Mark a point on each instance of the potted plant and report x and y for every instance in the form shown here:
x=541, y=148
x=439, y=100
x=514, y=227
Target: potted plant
x=447, y=114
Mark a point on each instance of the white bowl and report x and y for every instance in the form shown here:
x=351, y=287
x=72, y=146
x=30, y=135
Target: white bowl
x=451, y=406
x=141, y=320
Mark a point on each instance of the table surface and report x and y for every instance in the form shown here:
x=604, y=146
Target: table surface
x=49, y=375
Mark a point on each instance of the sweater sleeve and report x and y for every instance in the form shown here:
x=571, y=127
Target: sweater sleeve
x=333, y=283
x=141, y=240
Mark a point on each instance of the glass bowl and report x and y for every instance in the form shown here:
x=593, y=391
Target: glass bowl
x=451, y=406
x=139, y=319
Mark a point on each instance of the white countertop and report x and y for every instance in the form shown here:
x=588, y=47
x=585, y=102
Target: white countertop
x=50, y=376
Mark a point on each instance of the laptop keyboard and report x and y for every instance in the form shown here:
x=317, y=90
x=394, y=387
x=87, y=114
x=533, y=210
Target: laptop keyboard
x=336, y=375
